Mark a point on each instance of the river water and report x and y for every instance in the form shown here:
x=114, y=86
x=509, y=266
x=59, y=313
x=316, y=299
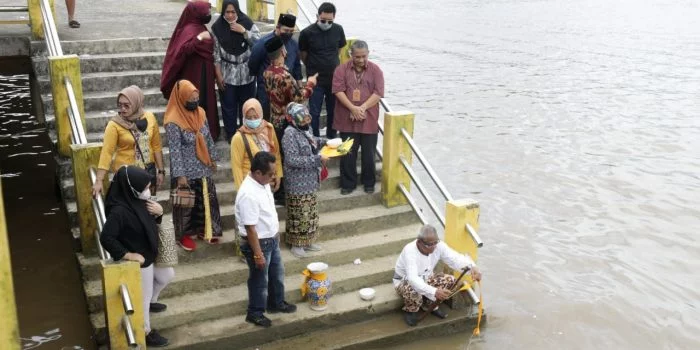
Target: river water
x=575, y=125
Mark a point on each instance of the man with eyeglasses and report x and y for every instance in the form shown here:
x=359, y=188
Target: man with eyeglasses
x=320, y=44
x=414, y=276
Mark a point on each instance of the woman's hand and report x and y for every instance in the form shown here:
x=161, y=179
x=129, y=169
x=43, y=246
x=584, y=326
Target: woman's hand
x=236, y=27
x=213, y=166
x=205, y=35
x=276, y=184
x=97, y=189
x=134, y=257
x=154, y=208
x=159, y=180
x=324, y=160
x=182, y=182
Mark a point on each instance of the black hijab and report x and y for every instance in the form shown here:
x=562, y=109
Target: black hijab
x=232, y=42
x=120, y=194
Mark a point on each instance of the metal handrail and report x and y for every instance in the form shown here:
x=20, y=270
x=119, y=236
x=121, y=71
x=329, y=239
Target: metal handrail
x=50, y=32
x=413, y=203
x=422, y=190
x=129, y=332
x=301, y=8
x=126, y=299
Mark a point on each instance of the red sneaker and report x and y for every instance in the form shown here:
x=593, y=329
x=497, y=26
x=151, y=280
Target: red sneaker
x=187, y=243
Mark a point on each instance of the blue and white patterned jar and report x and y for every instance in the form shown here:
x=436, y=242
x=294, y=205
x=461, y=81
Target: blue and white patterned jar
x=317, y=285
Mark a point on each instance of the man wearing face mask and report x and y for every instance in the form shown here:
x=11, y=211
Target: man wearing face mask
x=190, y=56
x=259, y=60
x=319, y=44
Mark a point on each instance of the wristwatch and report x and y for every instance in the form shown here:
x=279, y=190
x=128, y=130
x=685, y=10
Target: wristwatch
x=161, y=171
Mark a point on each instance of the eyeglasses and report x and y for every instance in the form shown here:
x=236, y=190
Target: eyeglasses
x=125, y=105
x=324, y=21
x=430, y=245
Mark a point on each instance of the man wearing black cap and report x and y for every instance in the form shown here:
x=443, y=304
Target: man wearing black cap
x=259, y=61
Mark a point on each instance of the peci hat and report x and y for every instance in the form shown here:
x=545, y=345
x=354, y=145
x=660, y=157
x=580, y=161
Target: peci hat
x=286, y=20
x=274, y=44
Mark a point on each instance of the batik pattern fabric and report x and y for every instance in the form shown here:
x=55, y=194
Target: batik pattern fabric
x=281, y=90
x=302, y=219
x=412, y=300
x=190, y=221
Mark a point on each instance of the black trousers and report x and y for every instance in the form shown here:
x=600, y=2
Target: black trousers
x=348, y=162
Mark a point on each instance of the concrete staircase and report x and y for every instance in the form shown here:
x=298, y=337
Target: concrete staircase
x=208, y=297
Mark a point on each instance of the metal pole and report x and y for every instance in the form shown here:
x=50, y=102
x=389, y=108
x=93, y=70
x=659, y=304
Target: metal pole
x=73, y=131
x=426, y=165
x=82, y=138
x=473, y=296
x=422, y=190
x=99, y=209
x=303, y=11
x=385, y=105
x=129, y=332
x=50, y=29
x=126, y=299
x=475, y=237
x=413, y=204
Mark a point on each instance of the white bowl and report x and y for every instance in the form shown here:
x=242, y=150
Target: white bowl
x=334, y=143
x=367, y=293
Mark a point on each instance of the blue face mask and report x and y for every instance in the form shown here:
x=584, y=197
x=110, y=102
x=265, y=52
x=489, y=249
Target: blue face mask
x=253, y=123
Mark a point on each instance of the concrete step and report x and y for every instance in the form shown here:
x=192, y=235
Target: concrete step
x=111, y=62
x=104, y=104
x=108, y=81
x=234, y=333
x=382, y=332
x=105, y=46
x=224, y=302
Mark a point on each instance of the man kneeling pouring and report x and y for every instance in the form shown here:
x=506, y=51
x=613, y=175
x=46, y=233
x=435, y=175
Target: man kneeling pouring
x=414, y=278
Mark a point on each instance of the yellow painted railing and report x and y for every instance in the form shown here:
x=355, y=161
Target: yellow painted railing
x=9, y=328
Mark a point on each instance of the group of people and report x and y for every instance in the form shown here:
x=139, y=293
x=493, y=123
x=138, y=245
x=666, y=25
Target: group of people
x=274, y=141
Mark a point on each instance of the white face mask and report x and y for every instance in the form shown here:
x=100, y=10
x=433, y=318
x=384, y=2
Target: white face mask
x=146, y=194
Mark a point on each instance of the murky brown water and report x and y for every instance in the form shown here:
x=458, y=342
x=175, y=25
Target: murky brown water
x=48, y=290
x=575, y=125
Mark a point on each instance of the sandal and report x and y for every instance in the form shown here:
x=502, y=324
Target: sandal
x=74, y=24
x=213, y=240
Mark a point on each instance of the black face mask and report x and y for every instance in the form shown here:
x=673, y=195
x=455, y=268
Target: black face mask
x=285, y=36
x=304, y=127
x=191, y=105
x=206, y=19
x=141, y=124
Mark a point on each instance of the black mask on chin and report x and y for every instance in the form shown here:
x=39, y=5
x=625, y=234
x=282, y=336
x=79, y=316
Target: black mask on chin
x=141, y=124
x=206, y=19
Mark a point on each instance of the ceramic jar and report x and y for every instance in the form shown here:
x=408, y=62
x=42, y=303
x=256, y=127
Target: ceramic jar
x=317, y=285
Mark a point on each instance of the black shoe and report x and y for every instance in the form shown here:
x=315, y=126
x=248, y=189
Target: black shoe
x=411, y=318
x=261, y=320
x=153, y=339
x=439, y=313
x=369, y=189
x=286, y=308
x=345, y=191
x=158, y=307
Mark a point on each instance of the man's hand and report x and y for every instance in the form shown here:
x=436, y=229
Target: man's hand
x=476, y=274
x=134, y=257
x=260, y=261
x=220, y=84
x=442, y=294
x=313, y=80
x=357, y=113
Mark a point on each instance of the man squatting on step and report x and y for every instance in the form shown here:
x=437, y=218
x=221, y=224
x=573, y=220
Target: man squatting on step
x=414, y=276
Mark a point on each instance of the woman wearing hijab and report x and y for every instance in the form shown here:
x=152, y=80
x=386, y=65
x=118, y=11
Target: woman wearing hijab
x=132, y=137
x=302, y=165
x=131, y=233
x=190, y=56
x=192, y=155
x=258, y=135
x=234, y=35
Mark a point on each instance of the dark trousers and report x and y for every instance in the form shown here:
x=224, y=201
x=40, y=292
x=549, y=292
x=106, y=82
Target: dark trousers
x=315, y=103
x=232, y=99
x=348, y=163
x=265, y=286
x=261, y=95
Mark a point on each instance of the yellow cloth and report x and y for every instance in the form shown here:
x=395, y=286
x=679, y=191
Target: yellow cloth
x=119, y=144
x=308, y=275
x=481, y=312
x=240, y=164
x=207, y=210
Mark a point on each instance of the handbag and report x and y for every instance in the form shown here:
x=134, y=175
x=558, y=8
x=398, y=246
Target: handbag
x=167, y=247
x=182, y=197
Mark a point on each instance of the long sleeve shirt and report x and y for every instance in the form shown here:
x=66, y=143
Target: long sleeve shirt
x=282, y=89
x=183, y=156
x=240, y=162
x=123, y=233
x=259, y=61
x=235, y=69
x=301, y=162
x=118, y=147
x=415, y=267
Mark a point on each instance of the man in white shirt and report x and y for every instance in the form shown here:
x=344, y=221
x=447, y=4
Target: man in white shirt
x=414, y=277
x=258, y=226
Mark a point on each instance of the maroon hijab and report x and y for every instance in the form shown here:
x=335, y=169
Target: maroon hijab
x=183, y=42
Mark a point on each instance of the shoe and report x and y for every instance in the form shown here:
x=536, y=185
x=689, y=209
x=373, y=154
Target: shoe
x=298, y=252
x=187, y=243
x=313, y=248
x=213, y=240
x=346, y=191
x=369, y=189
x=155, y=340
x=439, y=313
x=287, y=308
x=261, y=320
x=411, y=318
x=158, y=307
